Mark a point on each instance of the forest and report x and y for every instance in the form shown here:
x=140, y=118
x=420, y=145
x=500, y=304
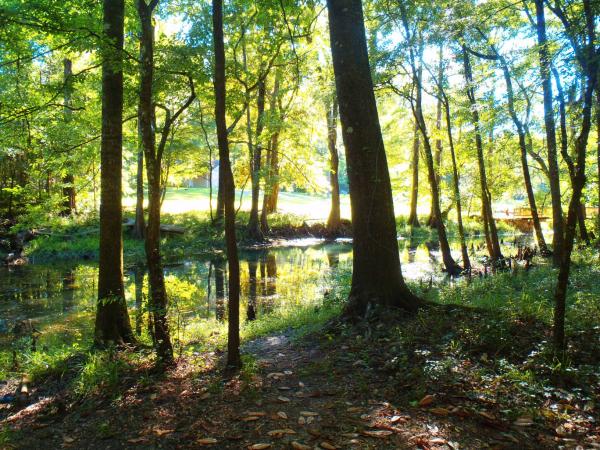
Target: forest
x=296, y=224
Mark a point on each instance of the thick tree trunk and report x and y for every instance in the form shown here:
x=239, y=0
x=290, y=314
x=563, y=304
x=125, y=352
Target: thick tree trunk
x=334, y=220
x=554, y=174
x=376, y=277
x=233, y=337
x=254, y=229
x=69, y=205
x=489, y=224
x=112, y=319
x=158, y=292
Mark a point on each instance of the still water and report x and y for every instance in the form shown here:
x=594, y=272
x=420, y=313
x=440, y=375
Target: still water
x=60, y=298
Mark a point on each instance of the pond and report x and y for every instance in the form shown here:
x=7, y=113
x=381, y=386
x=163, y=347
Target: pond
x=60, y=298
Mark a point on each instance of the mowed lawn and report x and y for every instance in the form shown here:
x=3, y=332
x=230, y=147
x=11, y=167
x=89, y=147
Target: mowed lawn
x=312, y=207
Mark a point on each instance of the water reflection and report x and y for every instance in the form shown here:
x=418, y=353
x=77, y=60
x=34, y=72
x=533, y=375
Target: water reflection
x=62, y=297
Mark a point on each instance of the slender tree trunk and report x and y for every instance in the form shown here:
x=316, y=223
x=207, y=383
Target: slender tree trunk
x=560, y=293
x=456, y=183
x=524, y=164
x=233, y=337
x=158, y=292
x=413, y=219
x=564, y=149
x=451, y=267
x=112, y=319
x=254, y=229
x=139, y=226
x=272, y=198
x=587, y=57
x=376, y=277
x=271, y=180
x=554, y=174
x=69, y=205
x=334, y=220
x=598, y=154
x=486, y=201
x=432, y=221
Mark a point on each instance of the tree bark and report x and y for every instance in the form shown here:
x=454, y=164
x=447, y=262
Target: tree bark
x=158, y=292
x=233, y=337
x=489, y=224
x=456, y=182
x=587, y=57
x=139, y=226
x=254, y=229
x=112, y=319
x=564, y=150
x=451, y=266
x=432, y=221
x=524, y=163
x=376, y=277
x=272, y=179
x=69, y=205
x=549, y=123
x=334, y=220
x=413, y=218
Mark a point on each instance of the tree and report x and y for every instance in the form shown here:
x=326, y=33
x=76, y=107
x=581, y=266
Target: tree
x=69, y=179
x=228, y=191
x=582, y=38
x=154, y=162
x=334, y=220
x=550, y=126
x=112, y=318
x=489, y=224
x=376, y=276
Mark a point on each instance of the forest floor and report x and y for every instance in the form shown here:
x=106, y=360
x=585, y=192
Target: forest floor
x=389, y=382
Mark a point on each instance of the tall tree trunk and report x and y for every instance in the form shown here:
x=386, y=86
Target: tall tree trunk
x=273, y=197
x=139, y=226
x=69, y=205
x=158, y=292
x=432, y=221
x=456, y=182
x=451, y=267
x=233, y=337
x=489, y=224
x=413, y=219
x=112, y=319
x=598, y=154
x=334, y=220
x=564, y=149
x=271, y=180
x=377, y=276
x=524, y=164
x=254, y=229
x=587, y=57
x=549, y=123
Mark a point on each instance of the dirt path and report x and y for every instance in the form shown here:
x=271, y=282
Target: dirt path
x=313, y=394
